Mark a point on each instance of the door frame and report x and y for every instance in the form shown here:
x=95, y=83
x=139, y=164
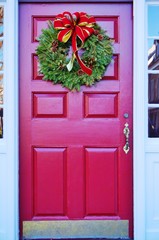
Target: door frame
x=139, y=115
x=9, y=226
x=11, y=230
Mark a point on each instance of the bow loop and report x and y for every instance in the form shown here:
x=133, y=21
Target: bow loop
x=78, y=26
x=67, y=22
x=64, y=35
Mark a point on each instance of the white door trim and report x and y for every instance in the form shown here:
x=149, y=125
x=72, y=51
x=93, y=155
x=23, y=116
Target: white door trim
x=11, y=230
x=139, y=97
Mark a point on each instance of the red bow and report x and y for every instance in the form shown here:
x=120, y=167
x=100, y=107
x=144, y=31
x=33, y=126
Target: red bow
x=76, y=25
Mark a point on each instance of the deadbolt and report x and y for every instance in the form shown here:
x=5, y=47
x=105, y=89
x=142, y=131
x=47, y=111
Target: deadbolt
x=126, y=115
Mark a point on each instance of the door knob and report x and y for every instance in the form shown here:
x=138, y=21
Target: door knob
x=126, y=132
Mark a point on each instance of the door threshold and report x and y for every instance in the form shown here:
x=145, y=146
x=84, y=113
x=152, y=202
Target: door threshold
x=76, y=229
x=77, y=239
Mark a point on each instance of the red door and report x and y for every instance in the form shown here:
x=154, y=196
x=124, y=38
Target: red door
x=72, y=162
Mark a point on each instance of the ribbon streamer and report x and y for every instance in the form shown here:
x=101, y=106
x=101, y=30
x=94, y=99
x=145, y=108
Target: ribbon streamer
x=76, y=25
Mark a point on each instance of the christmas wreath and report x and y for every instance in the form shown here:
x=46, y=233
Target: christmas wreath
x=74, y=50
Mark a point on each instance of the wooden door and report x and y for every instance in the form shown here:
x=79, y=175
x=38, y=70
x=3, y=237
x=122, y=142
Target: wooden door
x=72, y=162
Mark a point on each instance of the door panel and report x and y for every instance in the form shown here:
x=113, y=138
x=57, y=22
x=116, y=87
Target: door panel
x=101, y=181
x=72, y=163
x=48, y=170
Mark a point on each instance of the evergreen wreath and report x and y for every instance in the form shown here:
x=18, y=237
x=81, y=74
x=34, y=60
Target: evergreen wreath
x=80, y=36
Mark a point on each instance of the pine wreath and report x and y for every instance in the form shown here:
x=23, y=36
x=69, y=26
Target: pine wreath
x=92, y=51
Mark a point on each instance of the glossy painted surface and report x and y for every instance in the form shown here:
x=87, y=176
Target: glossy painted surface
x=72, y=163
